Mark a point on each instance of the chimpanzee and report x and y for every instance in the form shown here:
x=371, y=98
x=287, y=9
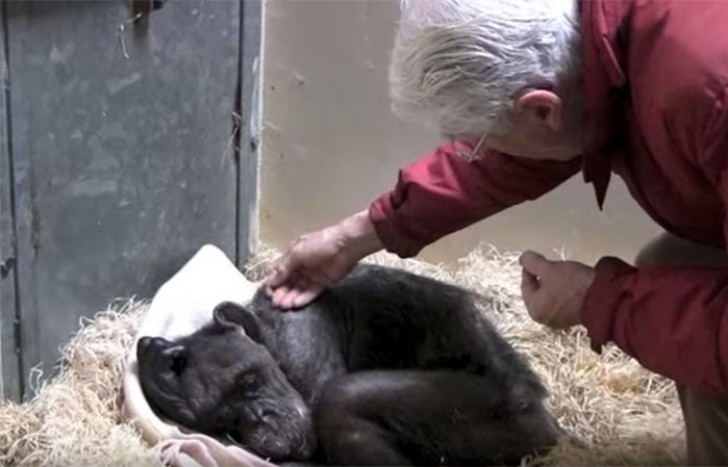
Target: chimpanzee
x=386, y=367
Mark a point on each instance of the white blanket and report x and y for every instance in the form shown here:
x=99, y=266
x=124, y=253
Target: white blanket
x=180, y=307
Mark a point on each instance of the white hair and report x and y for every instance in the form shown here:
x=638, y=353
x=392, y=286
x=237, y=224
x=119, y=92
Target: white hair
x=460, y=63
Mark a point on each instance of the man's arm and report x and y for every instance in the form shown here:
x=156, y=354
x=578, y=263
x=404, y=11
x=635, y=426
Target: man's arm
x=673, y=319
x=437, y=195
x=442, y=192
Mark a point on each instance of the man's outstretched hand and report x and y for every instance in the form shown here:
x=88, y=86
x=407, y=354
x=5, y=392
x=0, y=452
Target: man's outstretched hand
x=554, y=291
x=318, y=260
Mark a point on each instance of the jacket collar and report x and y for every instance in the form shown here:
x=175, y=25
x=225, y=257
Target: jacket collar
x=604, y=25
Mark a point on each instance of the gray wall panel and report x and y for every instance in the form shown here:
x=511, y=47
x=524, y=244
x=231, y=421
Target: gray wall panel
x=10, y=381
x=123, y=166
x=250, y=125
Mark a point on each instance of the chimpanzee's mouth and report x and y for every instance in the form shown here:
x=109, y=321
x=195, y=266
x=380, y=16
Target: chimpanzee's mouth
x=267, y=446
x=269, y=443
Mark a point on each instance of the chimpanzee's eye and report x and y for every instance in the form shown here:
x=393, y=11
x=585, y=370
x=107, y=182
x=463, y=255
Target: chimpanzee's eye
x=178, y=364
x=176, y=356
x=249, y=382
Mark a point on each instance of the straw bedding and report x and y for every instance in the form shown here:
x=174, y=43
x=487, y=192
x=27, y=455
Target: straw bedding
x=616, y=412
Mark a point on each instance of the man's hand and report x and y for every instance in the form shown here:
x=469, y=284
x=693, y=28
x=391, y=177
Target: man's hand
x=554, y=291
x=318, y=260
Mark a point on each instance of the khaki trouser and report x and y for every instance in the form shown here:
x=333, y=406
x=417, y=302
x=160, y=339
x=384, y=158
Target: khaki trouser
x=706, y=416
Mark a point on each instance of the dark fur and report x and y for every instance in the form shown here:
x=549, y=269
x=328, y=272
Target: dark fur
x=396, y=369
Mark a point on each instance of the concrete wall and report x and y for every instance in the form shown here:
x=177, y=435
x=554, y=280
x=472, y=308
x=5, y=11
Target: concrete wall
x=331, y=144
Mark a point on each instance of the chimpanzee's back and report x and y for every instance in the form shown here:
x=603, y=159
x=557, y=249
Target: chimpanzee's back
x=380, y=318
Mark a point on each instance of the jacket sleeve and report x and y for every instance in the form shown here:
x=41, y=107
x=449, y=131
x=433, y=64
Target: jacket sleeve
x=442, y=192
x=672, y=319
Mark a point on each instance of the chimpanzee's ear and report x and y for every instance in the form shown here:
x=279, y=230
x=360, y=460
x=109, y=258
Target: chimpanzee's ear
x=230, y=314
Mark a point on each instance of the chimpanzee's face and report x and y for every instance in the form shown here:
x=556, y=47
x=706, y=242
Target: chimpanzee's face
x=221, y=381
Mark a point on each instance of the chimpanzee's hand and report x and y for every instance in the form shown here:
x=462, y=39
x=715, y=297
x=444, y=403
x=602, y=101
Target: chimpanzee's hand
x=554, y=291
x=320, y=259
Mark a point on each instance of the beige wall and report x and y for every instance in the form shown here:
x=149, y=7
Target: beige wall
x=330, y=143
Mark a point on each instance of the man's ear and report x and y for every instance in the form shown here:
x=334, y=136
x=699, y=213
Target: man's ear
x=543, y=107
x=229, y=314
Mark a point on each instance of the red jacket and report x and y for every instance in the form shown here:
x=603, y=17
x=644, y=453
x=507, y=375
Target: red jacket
x=657, y=115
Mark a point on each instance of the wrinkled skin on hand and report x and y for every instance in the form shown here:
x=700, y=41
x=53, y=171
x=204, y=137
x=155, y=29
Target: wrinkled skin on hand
x=554, y=291
x=320, y=259
x=310, y=264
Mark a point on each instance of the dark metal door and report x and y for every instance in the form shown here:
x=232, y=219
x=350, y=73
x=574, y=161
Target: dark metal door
x=120, y=159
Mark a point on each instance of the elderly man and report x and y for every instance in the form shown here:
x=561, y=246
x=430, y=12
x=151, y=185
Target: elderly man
x=530, y=92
